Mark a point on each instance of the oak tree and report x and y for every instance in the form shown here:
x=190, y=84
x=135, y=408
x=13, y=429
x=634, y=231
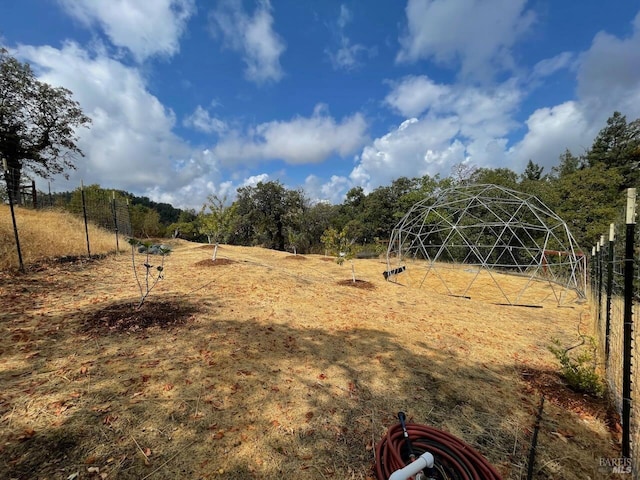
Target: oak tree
x=38, y=124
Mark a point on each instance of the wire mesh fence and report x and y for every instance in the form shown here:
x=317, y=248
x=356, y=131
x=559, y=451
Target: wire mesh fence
x=102, y=208
x=106, y=209
x=615, y=296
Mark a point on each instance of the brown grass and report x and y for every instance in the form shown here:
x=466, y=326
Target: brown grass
x=48, y=234
x=273, y=371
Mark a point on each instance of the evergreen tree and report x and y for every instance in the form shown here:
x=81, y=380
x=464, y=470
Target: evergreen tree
x=533, y=171
x=617, y=146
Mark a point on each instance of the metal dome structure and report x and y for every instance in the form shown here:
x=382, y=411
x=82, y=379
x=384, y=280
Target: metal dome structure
x=487, y=242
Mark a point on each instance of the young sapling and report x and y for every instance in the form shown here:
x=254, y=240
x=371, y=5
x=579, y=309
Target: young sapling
x=152, y=274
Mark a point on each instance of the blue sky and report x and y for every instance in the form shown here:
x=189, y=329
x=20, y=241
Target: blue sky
x=191, y=97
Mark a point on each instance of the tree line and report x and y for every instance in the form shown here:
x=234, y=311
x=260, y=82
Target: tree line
x=38, y=125
x=586, y=191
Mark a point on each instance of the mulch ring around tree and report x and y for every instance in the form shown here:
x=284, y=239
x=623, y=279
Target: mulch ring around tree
x=550, y=384
x=357, y=284
x=213, y=263
x=126, y=317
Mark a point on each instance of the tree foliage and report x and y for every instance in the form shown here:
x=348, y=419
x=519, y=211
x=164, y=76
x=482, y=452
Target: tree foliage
x=97, y=202
x=264, y=213
x=215, y=220
x=145, y=222
x=167, y=213
x=496, y=176
x=38, y=124
x=342, y=244
x=532, y=172
x=617, y=147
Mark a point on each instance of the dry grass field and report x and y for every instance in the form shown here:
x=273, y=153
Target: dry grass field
x=45, y=234
x=263, y=365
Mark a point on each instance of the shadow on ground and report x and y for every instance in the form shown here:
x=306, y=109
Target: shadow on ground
x=243, y=398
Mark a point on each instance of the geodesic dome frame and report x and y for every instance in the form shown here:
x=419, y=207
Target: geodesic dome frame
x=487, y=231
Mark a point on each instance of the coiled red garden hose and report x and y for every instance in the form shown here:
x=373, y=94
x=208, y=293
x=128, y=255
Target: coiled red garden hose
x=453, y=459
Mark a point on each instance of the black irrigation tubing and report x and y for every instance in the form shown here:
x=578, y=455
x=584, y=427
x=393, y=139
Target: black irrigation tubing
x=534, y=441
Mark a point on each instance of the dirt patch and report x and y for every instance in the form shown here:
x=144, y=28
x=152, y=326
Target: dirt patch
x=126, y=317
x=295, y=257
x=550, y=384
x=214, y=263
x=357, y=284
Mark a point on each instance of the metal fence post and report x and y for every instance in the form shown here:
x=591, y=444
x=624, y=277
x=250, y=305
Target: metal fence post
x=593, y=269
x=612, y=233
x=628, y=323
x=599, y=282
x=115, y=222
x=84, y=214
x=7, y=176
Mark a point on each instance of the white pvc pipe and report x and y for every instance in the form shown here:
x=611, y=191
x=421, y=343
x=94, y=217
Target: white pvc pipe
x=423, y=461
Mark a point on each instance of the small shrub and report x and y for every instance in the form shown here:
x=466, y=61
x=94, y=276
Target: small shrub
x=579, y=370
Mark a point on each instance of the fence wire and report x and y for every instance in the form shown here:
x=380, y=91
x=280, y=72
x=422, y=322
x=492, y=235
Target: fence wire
x=106, y=209
x=103, y=210
x=608, y=297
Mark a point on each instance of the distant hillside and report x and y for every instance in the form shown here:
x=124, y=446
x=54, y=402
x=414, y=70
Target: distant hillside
x=168, y=213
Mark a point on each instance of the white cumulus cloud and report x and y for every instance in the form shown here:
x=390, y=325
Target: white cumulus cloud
x=252, y=36
x=130, y=143
x=550, y=131
x=415, y=148
x=348, y=55
x=445, y=124
x=477, y=35
x=297, y=141
x=202, y=121
x=145, y=28
x=608, y=80
x=609, y=73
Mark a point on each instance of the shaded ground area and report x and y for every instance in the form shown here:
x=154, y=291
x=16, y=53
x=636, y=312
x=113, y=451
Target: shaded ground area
x=550, y=384
x=271, y=371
